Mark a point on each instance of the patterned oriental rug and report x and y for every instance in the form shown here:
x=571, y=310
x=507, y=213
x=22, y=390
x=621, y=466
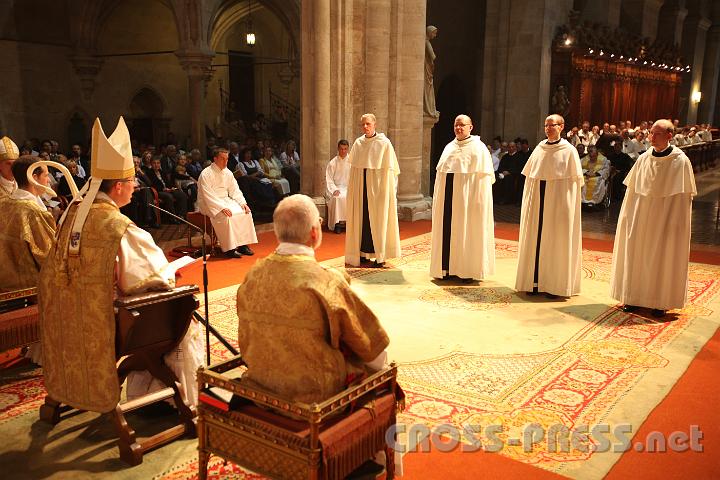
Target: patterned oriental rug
x=480, y=364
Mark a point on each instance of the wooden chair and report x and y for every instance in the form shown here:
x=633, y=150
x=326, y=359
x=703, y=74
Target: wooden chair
x=325, y=440
x=19, y=322
x=148, y=326
x=202, y=221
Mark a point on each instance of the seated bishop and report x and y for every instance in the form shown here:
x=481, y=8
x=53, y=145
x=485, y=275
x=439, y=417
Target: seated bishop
x=100, y=255
x=220, y=198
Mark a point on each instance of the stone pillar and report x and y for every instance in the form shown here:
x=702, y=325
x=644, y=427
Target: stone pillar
x=506, y=86
x=428, y=125
x=671, y=21
x=693, y=49
x=641, y=16
x=379, y=36
x=197, y=66
x=710, y=76
x=607, y=12
x=87, y=68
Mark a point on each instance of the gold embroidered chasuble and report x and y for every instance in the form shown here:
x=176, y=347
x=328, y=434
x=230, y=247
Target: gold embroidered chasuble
x=303, y=343
x=76, y=294
x=27, y=233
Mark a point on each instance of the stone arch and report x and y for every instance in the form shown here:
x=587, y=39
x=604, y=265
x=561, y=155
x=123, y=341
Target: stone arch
x=146, y=116
x=230, y=12
x=79, y=125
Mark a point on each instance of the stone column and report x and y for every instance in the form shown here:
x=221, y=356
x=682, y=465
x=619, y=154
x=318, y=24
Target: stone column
x=693, y=49
x=670, y=23
x=197, y=66
x=406, y=104
x=379, y=35
x=428, y=125
x=710, y=74
x=87, y=68
x=607, y=12
x=641, y=16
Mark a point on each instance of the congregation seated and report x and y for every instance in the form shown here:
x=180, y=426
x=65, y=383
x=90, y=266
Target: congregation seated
x=253, y=182
x=290, y=162
x=273, y=170
x=596, y=169
x=139, y=209
x=508, y=184
x=175, y=200
x=185, y=182
x=63, y=187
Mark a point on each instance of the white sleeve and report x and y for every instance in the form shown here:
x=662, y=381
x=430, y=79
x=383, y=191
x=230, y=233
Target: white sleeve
x=329, y=180
x=141, y=265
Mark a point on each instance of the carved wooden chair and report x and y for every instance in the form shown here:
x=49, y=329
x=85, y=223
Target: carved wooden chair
x=148, y=326
x=281, y=439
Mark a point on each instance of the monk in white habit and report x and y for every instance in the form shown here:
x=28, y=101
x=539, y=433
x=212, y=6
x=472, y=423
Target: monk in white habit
x=220, y=198
x=337, y=175
x=100, y=255
x=372, y=222
x=549, y=249
x=652, y=242
x=463, y=236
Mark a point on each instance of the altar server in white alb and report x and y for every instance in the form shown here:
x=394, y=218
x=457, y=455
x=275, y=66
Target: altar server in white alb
x=463, y=236
x=337, y=175
x=372, y=223
x=220, y=198
x=550, y=246
x=652, y=242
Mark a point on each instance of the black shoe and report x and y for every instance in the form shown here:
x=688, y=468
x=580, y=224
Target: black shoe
x=629, y=308
x=232, y=254
x=245, y=250
x=337, y=229
x=369, y=469
x=657, y=313
x=377, y=264
x=364, y=260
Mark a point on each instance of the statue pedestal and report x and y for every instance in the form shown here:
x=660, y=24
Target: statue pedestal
x=415, y=209
x=428, y=124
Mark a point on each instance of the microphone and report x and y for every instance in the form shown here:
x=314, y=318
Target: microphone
x=205, y=321
x=176, y=217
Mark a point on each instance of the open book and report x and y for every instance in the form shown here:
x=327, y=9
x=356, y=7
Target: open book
x=181, y=264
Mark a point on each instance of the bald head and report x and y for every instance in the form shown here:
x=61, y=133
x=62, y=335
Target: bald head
x=660, y=134
x=462, y=127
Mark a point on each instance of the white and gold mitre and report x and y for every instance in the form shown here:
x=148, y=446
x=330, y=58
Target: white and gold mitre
x=8, y=149
x=111, y=158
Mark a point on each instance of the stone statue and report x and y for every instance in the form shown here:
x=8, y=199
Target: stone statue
x=560, y=102
x=429, y=92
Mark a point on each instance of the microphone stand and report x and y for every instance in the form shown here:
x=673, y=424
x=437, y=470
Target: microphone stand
x=205, y=321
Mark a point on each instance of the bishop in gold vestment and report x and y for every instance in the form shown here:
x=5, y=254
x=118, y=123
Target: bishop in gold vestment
x=307, y=345
x=27, y=233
